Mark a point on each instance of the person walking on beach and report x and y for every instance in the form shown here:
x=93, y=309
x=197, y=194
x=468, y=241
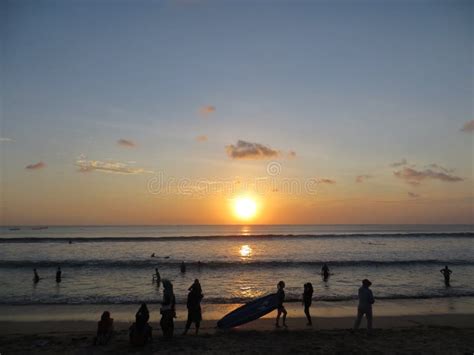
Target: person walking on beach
x=307, y=300
x=183, y=267
x=281, y=309
x=194, y=306
x=366, y=300
x=167, y=310
x=325, y=272
x=58, y=274
x=447, y=275
x=36, y=277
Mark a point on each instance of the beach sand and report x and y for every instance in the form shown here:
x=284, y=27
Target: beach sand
x=439, y=334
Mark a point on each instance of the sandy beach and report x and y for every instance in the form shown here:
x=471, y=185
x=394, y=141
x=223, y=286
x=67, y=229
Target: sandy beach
x=439, y=334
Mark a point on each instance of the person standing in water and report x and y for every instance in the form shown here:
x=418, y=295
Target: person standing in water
x=194, y=306
x=183, y=267
x=325, y=272
x=281, y=309
x=36, y=277
x=58, y=275
x=167, y=310
x=366, y=300
x=447, y=275
x=157, y=277
x=307, y=300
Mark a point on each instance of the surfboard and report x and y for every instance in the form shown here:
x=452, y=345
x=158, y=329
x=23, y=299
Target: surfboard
x=249, y=312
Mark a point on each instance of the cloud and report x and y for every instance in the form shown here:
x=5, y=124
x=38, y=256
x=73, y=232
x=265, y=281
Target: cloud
x=327, y=181
x=362, y=178
x=399, y=163
x=5, y=139
x=207, y=110
x=291, y=154
x=415, y=177
x=413, y=195
x=248, y=150
x=439, y=167
x=113, y=167
x=37, y=166
x=468, y=126
x=201, y=138
x=126, y=143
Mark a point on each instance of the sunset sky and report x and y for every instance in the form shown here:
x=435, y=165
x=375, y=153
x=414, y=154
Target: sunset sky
x=166, y=112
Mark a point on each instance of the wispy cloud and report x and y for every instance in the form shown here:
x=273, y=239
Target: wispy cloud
x=291, y=154
x=439, y=167
x=468, y=126
x=363, y=178
x=201, y=138
x=207, y=110
x=36, y=166
x=248, y=150
x=399, y=163
x=413, y=195
x=415, y=177
x=127, y=143
x=326, y=181
x=113, y=167
x=6, y=139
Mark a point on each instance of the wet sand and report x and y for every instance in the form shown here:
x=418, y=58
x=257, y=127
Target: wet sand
x=439, y=334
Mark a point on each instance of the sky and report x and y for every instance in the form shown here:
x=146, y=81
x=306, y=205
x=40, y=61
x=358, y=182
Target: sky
x=167, y=112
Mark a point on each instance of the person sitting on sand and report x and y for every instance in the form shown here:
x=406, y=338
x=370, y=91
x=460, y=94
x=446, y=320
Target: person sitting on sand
x=36, y=277
x=325, y=272
x=307, y=300
x=447, y=275
x=167, y=310
x=58, y=275
x=366, y=300
x=140, y=331
x=105, y=329
x=194, y=306
x=183, y=267
x=280, y=299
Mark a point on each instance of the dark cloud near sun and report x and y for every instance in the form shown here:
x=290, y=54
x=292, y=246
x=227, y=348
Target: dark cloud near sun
x=363, y=178
x=36, y=166
x=416, y=177
x=127, y=143
x=468, y=127
x=247, y=150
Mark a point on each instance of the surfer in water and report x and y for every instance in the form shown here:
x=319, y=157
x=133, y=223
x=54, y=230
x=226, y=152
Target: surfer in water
x=36, y=277
x=183, y=267
x=447, y=275
x=307, y=300
x=325, y=272
x=281, y=309
x=58, y=275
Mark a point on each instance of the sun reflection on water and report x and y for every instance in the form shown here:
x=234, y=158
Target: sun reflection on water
x=245, y=251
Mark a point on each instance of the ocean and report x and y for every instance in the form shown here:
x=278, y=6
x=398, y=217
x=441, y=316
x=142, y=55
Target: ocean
x=235, y=264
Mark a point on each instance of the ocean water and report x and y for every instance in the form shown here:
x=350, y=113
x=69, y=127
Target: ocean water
x=113, y=265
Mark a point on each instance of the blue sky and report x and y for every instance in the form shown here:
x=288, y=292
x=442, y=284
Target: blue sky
x=350, y=86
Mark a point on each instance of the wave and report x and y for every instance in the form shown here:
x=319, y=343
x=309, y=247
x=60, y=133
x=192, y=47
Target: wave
x=166, y=263
x=232, y=237
x=98, y=300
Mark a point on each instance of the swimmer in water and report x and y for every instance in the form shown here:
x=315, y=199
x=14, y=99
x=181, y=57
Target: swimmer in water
x=325, y=272
x=447, y=275
x=58, y=275
x=36, y=277
x=183, y=267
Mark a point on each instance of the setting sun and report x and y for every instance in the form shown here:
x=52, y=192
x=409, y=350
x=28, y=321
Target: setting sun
x=245, y=207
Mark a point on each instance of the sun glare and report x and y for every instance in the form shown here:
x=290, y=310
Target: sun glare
x=245, y=251
x=245, y=207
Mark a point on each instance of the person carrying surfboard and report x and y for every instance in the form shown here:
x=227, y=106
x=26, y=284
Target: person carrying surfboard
x=280, y=308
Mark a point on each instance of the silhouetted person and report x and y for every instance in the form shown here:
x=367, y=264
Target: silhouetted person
x=168, y=311
x=325, y=272
x=58, y=275
x=140, y=331
x=183, y=267
x=36, y=277
x=157, y=277
x=307, y=300
x=280, y=308
x=152, y=255
x=447, y=275
x=105, y=329
x=194, y=306
x=366, y=300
